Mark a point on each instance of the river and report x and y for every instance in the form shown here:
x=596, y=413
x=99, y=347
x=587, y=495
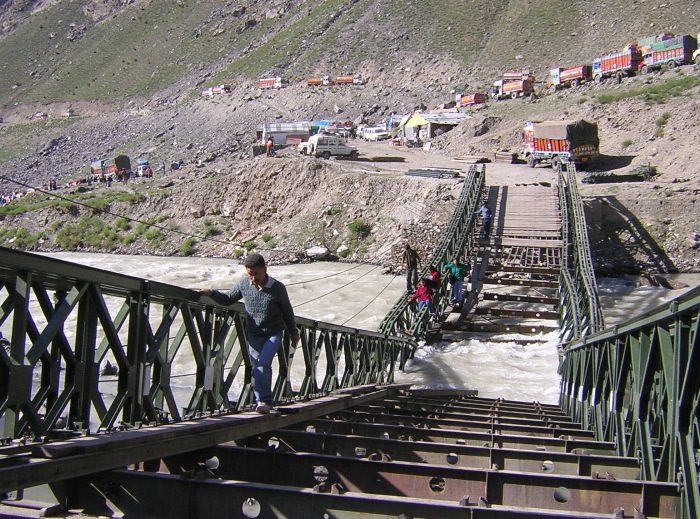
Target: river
x=359, y=296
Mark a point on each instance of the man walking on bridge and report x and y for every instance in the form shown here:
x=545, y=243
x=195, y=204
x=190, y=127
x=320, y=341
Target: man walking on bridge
x=411, y=259
x=269, y=313
x=457, y=272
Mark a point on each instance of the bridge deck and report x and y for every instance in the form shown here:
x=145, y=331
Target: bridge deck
x=516, y=272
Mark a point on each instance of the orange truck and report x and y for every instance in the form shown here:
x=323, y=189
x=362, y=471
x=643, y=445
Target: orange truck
x=560, y=142
x=320, y=81
x=514, y=85
x=349, y=80
x=470, y=99
x=572, y=77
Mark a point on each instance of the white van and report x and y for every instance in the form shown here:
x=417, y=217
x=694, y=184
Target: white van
x=375, y=134
x=324, y=145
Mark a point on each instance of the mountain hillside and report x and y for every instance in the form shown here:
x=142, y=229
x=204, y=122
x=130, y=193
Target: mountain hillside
x=130, y=72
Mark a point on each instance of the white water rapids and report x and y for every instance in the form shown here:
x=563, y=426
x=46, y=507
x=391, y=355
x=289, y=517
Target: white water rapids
x=359, y=296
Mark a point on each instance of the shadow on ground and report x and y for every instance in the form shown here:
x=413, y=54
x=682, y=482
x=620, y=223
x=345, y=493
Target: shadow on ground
x=622, y=244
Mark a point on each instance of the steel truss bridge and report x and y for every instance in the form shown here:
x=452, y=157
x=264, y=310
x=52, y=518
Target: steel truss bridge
x=154, y=441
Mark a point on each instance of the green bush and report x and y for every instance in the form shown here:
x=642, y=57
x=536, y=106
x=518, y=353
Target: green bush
x=249, y=245
x=627, y=143
x=187, y=248
x=266, y=237
x=237, y=253
x=359, y=227
x=122, y=224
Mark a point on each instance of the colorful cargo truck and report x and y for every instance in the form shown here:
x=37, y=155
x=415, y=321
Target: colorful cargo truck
x=572, y=77
x=119, y=167
x=272, y=82
x=503, y=89
x=470, y=99
x=618, y=64
x=560, y=142
x=671, y=52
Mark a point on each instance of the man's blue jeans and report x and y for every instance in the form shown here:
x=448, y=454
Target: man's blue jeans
x=457, y=290
x=262, y=350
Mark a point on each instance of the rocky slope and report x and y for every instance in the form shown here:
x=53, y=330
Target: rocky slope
x=141, y=98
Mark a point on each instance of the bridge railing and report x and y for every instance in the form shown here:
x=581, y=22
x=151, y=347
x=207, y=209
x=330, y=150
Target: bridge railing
x=176, y=353
x=457, y=241
x=579, y=308
x=636, y=384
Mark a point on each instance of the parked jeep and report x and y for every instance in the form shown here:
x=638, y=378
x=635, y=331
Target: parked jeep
x=324, y=145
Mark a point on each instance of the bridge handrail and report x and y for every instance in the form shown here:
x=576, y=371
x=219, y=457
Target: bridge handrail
x=579, y=308
x=636, y=384
x=457, y=240
x=49, y=371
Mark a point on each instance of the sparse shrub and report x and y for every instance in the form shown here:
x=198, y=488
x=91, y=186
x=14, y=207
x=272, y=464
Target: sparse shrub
x=237, y=253
x=582, y=100
x=129, y=239
x=627, y=143
x=122, y=224
x=335, y=210
x=266, y=237
x=344, y=253
x=187, y=248
x=249, y=245
x=359, y=227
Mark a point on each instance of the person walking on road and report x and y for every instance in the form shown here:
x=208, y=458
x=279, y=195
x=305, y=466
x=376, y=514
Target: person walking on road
x=411, y=260
x=457, y=272
x=269, y=313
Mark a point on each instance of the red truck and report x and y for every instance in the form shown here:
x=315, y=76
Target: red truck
x=503, y=89
x=272, y=82
x=560, y=142
x=618, y=64
x=572, y=77
x=470, y=99
x=671, y=52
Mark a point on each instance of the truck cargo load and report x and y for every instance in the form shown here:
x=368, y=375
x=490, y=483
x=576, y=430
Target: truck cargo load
x=672, y=52
x=560, y=142
x=119, y=167
x=617, y=64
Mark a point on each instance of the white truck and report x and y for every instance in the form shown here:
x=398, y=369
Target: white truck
x=325, y=146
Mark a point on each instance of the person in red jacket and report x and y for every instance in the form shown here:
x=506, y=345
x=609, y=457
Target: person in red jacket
x=424, y=295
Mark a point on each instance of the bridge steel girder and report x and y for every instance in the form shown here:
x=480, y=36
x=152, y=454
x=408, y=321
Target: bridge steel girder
x=51, y=371
x=457, y=241
x=638, y=382
x=378, y=482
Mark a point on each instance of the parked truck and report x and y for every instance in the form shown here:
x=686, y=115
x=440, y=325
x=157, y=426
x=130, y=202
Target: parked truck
x=272, y=82
x=560, y=142
x=320, y=81
x=572, y=77
x=119, y=167
x=470, y=99
x=618, y=64
x=513, y=85
x=350, y=80
x=671, y=52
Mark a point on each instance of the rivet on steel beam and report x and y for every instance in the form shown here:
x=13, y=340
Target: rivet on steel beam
x=464, y=501
x=452, y=458
x=251, y=508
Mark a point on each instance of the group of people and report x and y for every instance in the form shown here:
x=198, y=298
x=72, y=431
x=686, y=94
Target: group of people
x=424, y=291
x=269, y=311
